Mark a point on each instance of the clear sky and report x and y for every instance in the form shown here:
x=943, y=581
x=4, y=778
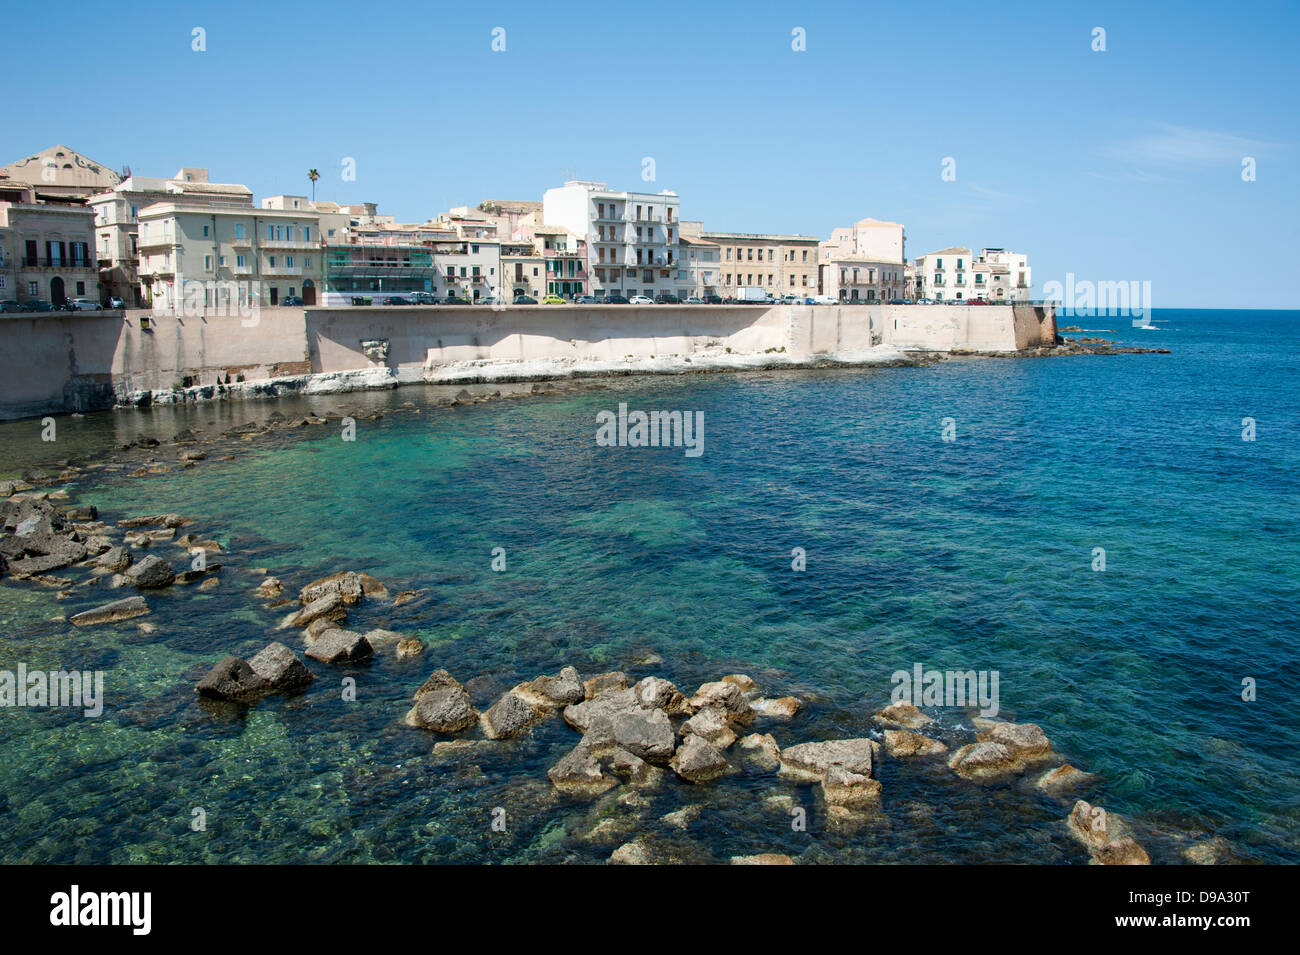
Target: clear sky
x=1117, y=165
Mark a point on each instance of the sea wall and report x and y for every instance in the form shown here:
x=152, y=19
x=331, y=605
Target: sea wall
x=62, y=362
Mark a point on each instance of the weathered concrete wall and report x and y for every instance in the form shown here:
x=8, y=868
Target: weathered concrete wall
x=81, y=361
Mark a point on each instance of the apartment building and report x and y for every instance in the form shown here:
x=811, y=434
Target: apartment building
x=947, y=275
x=523, y=270
x=873, y=240
x=239, y=255
x=780, y=264
x=632, y=238
x=1005, y=276
x=117, y=212
x=700, y=272
x=464, y=268
x=374, y=264
x=46, y=247
x=848, y=278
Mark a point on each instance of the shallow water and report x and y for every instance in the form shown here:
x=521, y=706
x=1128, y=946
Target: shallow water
x=971, y=554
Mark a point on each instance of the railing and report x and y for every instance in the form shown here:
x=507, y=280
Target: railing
x=56, y=263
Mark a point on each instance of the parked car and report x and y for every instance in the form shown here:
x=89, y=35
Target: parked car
x=586, y=300
x=823, y=300
x=116, y=302
x=713, y=300
x=10, y=306
x=455, y=300
x=423, y=298
x=395, y=300
x=292, y=301
x=553, y=300
x=615, y=300
x=525, y=300
x=667, y=298
x=695, y=300
x=897, y=301
x=84, y=305
x=641, y=300
x=37, y=305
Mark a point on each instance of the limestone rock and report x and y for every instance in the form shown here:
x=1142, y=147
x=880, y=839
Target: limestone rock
x=902, y=715
x=280, y=668
x=605, y=682
x=329, y=606
x=608, y=703
x=115, y=559
x=151, y=573
x=903, y=743
x=698, y=761
x=112, y=612
x=782, y=708
x=580, y=772
x=1064, y=778
x=764, y=858
x=1105, y=836
x=410, y=647
x=809, y=762
x=1024, y=740
x=726, y=695
x=849, y=790
x=341, y=646
x=761, y=750
x=983, y=759
x=511, y=715
x=647, y=734
x=270, y=588
x=556, y=691
x=232, y=679
x=442, y=704
x=656, y=693
x=710, y=724
x=742, y=682
x=632, y=853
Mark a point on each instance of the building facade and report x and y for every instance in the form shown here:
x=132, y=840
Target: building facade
x=238, y=256
x=779, y=264
x=46, y=248
x=850, y=278
x=632, y=238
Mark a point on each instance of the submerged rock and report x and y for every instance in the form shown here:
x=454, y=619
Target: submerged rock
x=1064, y=778
x=410, y=647
x=782, y=708
x=111, y=612
x=761, y=750
x=1105, y=836
x=232, y=679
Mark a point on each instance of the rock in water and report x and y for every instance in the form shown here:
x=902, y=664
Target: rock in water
x=115, y=559
x=604, y=682
x=903, y=715
x=232, y=679
x=442, y=705
x=341, y=646
x=151, y=573
x=1105, y=836
x=330, y=607
x=1064, y=778
x=510, y=716
x=109, y=613
x=698, y=761
x=280, y=668
x=711, y=724
x=726, y=695
x=978, y=760
x=809, y=762
x=903, y=743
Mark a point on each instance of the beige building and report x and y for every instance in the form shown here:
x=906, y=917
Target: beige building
x=779, y=264
x=523, y=270
x=873, y=240
x=238, y=256
x=117, y=212
x=848, y=278
x=46, y=248
x=60, y=173
x=700, y=273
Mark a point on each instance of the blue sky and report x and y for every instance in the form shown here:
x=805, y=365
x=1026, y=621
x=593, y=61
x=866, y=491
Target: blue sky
x=1116, y=165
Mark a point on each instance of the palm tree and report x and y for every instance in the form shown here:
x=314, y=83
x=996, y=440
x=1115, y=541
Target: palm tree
x=313, y=175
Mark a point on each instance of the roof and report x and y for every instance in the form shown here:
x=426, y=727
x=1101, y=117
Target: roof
x=955, y=250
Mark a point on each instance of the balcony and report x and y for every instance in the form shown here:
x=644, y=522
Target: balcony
x=289, y=244
x=282, y=270
x=46, y=262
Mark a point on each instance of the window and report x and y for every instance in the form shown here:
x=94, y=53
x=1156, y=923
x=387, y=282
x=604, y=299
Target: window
x=221, y=261
x=270, y=233
x=31, y=288
x=288, y=261
x=306, y=232
x=207, y=263
x=306, y=261
x=81, y=288
x=271, y=260
x=239, y=230
x=239, y=261
x=205, y=232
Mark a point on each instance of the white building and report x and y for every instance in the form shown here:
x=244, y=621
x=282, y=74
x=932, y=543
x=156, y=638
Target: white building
x=632, y=237
x=1008, y=275
x=947, y=275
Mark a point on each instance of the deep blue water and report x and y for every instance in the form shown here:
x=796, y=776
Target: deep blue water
x=970, y=554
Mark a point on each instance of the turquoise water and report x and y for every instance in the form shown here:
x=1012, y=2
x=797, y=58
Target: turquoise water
x=971, y=554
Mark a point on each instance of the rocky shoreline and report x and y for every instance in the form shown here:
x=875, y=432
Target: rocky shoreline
x=631, y=736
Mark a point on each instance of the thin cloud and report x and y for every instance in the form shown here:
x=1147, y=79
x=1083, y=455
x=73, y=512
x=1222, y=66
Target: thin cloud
x=1184, y=147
